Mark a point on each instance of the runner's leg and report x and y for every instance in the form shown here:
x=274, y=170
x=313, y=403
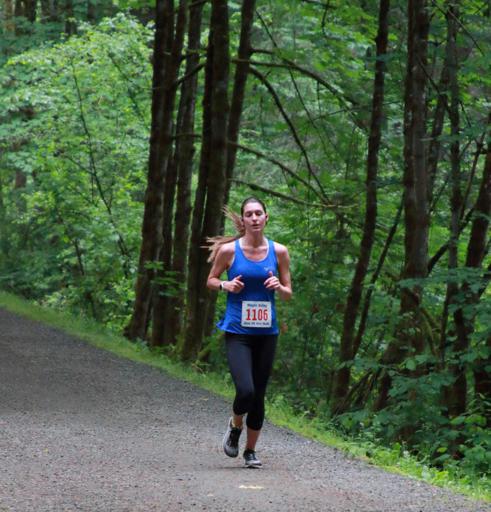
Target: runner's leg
x=239, y=358
x=263, y=352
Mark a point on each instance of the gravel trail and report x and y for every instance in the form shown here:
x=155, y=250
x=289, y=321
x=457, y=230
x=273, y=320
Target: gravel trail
x=84, y=430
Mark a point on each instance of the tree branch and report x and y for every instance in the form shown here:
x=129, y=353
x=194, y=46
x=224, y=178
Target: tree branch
x=183, y=78
x=275, y=193
x=284, y=168
x=288, y=64
x=288, y=121
x=130, y=94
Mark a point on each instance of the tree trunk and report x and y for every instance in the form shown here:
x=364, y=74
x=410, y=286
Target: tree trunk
x=347, y=353
x=49, y=11
x=464, y=323
x=70, y=25
x=482, y=379
x=30, y=10
x=438, y=121
x=184, y=158
x=240, y=81
x=18, y=8
x=20, y=179
x=366, y=305
x=236, y=107
x=8, y=17
x=190, y=345
x=215, y=186
x=166, y=65
x=452, y=17
x=162, y=289
x=45, y=11
x=91, y=11
x=410, y=335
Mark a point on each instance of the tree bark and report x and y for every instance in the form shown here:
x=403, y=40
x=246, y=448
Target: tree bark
x=190, y=346
x=166, y=65
x=366, y=305
x=236, y=106
x=346, y=351
x=438, y=121
x=162, y=288
x=18, y=9
x=45, y=11
x=49, y=10
x=482, y=380
x=452, y=17
x=184, y=159
x=70, y=25
x=30, y=10
x=215, y=185
x=91, y=11
x=464, y=322
x=240, y=81
x=410, y=335
x=8, y=17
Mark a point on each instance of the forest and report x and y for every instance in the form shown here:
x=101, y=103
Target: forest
x=126, y=127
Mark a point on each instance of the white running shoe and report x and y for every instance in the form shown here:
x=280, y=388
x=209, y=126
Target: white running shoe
x=231, y=440
x=250, y=459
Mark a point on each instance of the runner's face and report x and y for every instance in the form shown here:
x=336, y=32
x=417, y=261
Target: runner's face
x=254, y=217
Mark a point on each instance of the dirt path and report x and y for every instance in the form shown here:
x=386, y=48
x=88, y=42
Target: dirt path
x=81, y=429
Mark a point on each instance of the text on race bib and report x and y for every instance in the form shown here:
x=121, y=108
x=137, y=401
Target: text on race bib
x=256, y=314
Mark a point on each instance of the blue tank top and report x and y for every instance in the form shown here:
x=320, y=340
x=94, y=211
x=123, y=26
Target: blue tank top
x=252, y=311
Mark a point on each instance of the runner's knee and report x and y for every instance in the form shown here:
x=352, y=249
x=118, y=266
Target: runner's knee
x=244, y=400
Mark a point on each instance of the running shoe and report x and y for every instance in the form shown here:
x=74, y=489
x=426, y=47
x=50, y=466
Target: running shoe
x=231, y=440
x=250, y=459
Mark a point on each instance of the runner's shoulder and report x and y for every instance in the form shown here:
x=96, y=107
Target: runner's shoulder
x=227, y=250
x=280, y=249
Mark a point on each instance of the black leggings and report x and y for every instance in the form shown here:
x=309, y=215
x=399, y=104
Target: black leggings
x=250, y=359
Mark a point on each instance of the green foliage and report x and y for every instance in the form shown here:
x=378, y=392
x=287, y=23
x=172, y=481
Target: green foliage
x=75, y=123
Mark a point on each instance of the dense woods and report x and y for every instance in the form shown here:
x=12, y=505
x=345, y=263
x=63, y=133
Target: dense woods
x=364, y=126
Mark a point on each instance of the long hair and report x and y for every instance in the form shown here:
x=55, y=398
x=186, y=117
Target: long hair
x=215, y=242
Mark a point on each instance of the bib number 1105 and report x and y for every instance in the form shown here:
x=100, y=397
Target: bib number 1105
x=256, y=314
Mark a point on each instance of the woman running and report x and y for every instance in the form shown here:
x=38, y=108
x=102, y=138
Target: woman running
x=257, y=269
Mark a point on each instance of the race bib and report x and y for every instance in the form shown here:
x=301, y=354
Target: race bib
x=256, y=314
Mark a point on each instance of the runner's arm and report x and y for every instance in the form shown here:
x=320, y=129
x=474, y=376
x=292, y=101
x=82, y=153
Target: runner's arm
x=285, y=288
x=222, y=262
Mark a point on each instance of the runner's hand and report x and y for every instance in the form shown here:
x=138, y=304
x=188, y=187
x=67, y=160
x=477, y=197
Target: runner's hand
x=234, y=286
x=272, y=282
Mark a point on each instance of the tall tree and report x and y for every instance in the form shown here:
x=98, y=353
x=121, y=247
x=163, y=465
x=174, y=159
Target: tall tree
x=236, y=106
x=410, y=335
x=347, y=349
x=70, y=24
x=166, y=61
x=193, y=277
x=161, y=291
x=184, y=154
x=49, y=10
x=464, y=321
x=91, y=11
x=452, y=17
x=198, y=296
x=30, y=10
x=169, y=303
x=8, y=16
